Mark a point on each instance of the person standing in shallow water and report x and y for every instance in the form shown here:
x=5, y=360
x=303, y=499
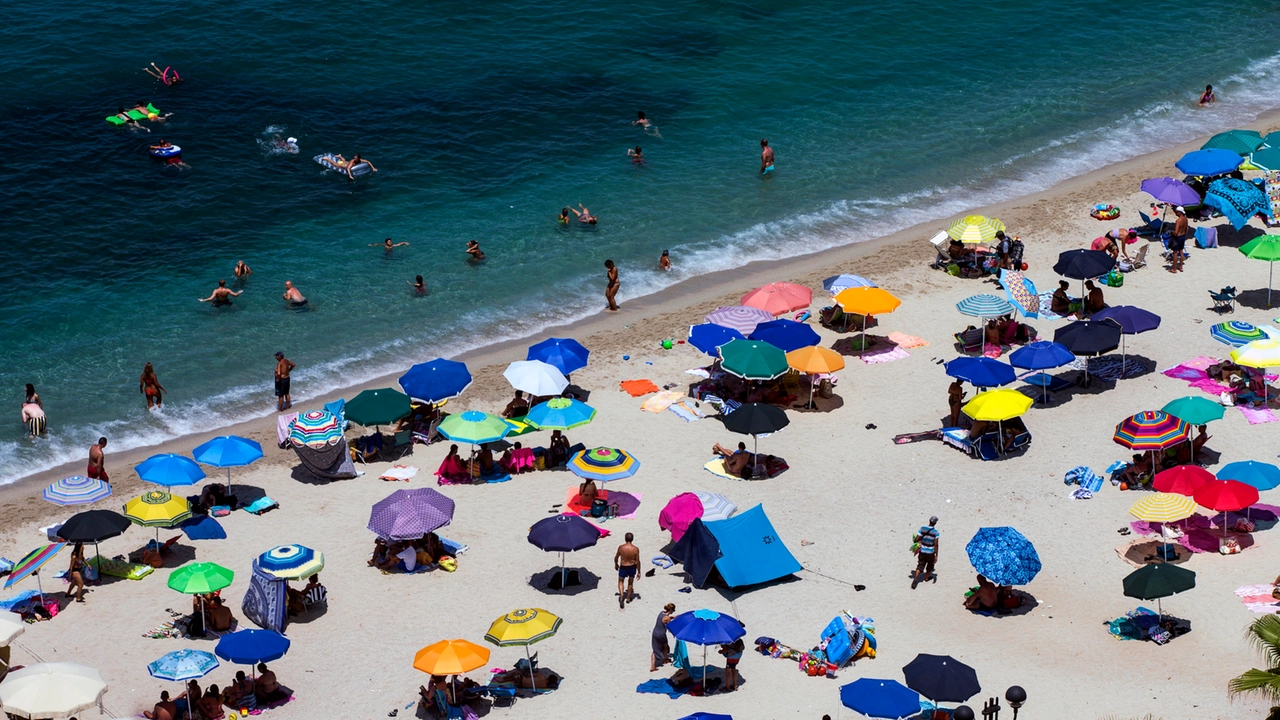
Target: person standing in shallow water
x=766, y=158
x=611, y=289
x=150, y=387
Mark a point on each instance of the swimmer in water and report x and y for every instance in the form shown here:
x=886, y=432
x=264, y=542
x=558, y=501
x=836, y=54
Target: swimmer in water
x=356, y=160
x=1207, y=97
x=142, y=108
x=664, y=262
x=388, y=245
x=585, y=215
x=564, y=216
x=292, y=296
x=636, y=155
x=289, y=146
x=473, y=249
x=221, y=295
x=419, y=285
x=121, y=114
x=168, y=76
x=766, y=158
x=641, y=120
x=242, y=270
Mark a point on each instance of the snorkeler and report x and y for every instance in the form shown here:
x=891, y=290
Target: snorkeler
x=766, y=158
x=636, y=155
x=168, y=76
x=419, y=285
x=292, y=295
x=242, y=270
x=585, y=216
x=473, y=249
x=126, y=120
x=388, y=245
x=221, y=295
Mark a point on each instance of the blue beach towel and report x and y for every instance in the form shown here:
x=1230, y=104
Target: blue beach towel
x=1086, y=478
x=261, y=505
x=659, y=687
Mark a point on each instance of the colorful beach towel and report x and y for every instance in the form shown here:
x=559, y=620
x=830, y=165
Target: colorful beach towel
x=687, y=409
x=636, y=388
x=1273, y=192
x=895, y=354
x=1257, y=416
x=628, y=503
x=120, y=568
x=906, y=341
x=1133, y=625
x=8, y=604
x=661, y=401
x=716, y=467
x=1258, y=598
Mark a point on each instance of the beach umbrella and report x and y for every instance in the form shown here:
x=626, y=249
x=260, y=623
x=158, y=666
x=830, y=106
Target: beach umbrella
x=1041, y=355
x=1226, y=495
x=436, y=380
x=1168, y=190
x=1132, y=320
x=560, y=414
x=739, y=317
x=705, y=627
x=250, y=647
x=981, y=371
x=53, y=690
x=1163, y=508
x=410, y=514
x=1182, y=480
x=451, y=657
x=1263, y=476
x=383, y=406
x=200, y=578
x=1194, y=409
x=228, y=451
x=779, y=298
x=291, y=562
x=315, y=428
x=1081, y=264
x=941, y=678
x=10, y=629
x=157, y=509
x=603, y=464
x=715, y=506
x=1267, y=159
x=525, y=627
x=563, y=534
x=31, y=563
x=708, y=337
x=1021, y=291
x=1088, y=338
x=77, y=490
x=880, y=698
x=1241, y=142
x=170, y=470
x=1209, y=163
x=1259, y=354
x=474, y=427
x=974, y=229
x=786, y=335
x=1158, y=580
x=564, y=354
x=756, y=419
x=707, y=716
x=93, y=526
x=753, y=359
x=985, y=306
x=184, y=664
x=1267, y=249
x=1238, y=200
x=866, y=302
x=1236, y=333
x=536, y=378
x=815, y=360
x=1003, y=555
x=1151, y=430
x=836, y=283
x=997, y=405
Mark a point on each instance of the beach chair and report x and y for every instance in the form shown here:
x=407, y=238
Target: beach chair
x=970, y=340
x=314, y=597
x=1224, y=300
x=940, y=243
x=1153, y=226
x=401, y=443
x=1139, y=260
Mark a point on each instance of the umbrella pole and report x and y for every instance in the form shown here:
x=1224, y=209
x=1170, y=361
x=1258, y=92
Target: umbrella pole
x=1124, y=355
x=755, y=455
x=1271, y=271
x=564, y=577
x=704, y=669
x=532, y=678
x=864, y=349
x=40, y=587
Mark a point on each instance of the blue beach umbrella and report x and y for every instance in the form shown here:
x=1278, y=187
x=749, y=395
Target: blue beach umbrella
x=77, y=490
x=985, y=306
x=228, y=451
x=184, y=664
x=708, y=337
x=560, y=414
x=787, y=335
x=1041, y=355
x=1209, y=163
x=436, y=380
x=564, y=354
x=706, y=627
x=170, y=470
x=707, y=716
x=880, y=698
x=836, y=283
x=1132, y=320
x=1237, y=199
x=981, y=371
x=1260, y=475
x=250, y=647
x=1003, y=555
x=563, y=534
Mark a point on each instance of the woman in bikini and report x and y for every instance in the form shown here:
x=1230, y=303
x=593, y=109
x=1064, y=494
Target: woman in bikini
x=75, y=573
x=149, y=385
x=168, y=76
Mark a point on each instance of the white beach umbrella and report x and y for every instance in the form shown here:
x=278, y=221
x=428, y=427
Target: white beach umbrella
x=715, y=506
x=536, y=378
x=51, y=690
x=10, y=628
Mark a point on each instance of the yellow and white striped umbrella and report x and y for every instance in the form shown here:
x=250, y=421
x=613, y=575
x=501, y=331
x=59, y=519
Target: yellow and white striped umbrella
x=1163, y=508
x=975, y=229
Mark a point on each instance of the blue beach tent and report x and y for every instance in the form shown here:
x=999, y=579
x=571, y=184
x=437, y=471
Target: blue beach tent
x=740, y=551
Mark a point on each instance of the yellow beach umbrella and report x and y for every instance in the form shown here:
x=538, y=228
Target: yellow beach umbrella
x=451, y=657
x=525, y=626
x=813, y=360
x=997, y=405
x=975, y=229
x=157, y=509
x=1163, y=508
x=1263, y=353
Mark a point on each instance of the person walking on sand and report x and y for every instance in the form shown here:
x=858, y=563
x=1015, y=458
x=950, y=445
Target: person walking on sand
x=75, y=574
x=1178, y=241
x=150, y=387
x=766, y=158
x=658, y=640
x=955, y=399
x=627, y=562
x=926, y=553
x=98, y=461
x=283, y=368
x=611, y=289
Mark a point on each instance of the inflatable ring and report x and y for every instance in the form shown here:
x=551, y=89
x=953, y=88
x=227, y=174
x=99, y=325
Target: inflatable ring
x=171, y=151
x=1107, y=213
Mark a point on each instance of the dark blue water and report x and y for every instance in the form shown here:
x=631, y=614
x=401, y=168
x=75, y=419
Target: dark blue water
x=484, y=119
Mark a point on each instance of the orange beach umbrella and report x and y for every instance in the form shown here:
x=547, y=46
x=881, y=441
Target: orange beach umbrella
x=451, y=657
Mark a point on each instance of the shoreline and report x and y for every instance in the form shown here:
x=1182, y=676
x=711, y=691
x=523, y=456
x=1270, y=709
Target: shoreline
x=684, y=299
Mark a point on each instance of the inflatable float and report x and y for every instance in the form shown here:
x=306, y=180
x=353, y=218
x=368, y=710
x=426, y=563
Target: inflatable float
x=1105, y=212
x=329, y=160
x=165, y=152
x=151, y=114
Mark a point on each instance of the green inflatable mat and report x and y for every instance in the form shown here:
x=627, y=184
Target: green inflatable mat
x=133, y=115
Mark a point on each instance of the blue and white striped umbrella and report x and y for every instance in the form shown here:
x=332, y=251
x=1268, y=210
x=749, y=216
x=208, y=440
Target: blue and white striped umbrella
x=184, y=664
x=293, y=562
x=715, y=506
x=77, y=490
x=836, y=283
x=985, y=306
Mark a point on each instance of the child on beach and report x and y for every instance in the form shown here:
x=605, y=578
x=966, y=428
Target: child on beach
x=1207, y=98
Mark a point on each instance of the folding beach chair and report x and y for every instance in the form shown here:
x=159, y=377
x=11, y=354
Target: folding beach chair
x=1224, y=300
x=1153, y=226
x=970, y=340
x=940, y=243
x=1139, y=260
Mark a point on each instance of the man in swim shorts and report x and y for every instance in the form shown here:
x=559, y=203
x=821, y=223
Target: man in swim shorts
x=283, y=368
x=473, y=249
x=221, y=295
x=33, y=418
x=627, y=562
x=766, y=158
x=292, y=295
x=97, y=461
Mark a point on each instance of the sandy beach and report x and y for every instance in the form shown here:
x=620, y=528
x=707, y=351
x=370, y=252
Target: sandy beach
x=846, y=509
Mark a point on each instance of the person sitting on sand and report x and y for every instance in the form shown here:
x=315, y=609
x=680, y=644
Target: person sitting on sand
x=484, y=460
x=557, y=450
x=1061, y=303
x=1093, y=301
x=220, y=619
x=1137, y=470
x=379, y=556
x=266, y=688
x=210, y=705
x=978, y=429
x=991, y=333
x=239, y=693
x=587, y=492
x=453, y=468
x=985, y=597
x=735, y=461
x=957, y=250
x=163, y=710
x=584, y=216
x=1185, y=454
x=189, y=699
x=508, y=460
x=518, y=407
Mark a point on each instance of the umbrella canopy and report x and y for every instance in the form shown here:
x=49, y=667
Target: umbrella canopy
x=984, y=305
x=536, y=378
x=525, y=626
x=1208, y=163
x=564, y=354
x=1151, y=430
x=383, y=406
x=753, y=359
x=32, y=562
x=1003, y=555
x=157, y=509
x=1083, y=264
x=436, y=380
x=1041, y=355
x=1237, y=199
x=291, y=562
x=836, y=283
x=1258, y=354
x=1163, y=508
x=1088, y=337
x=1226, y=495
x=1236, y=333
x=981, y=371
x=10, y=629
x=93, y=526
x=410, y=514
x=880, y=698
x=51, y=690
x=1168, y=190
x=1182, y=480
x=1194, y=409
x=1263, y=476
x=786, y=335
x=1240, y=142
x=563, y=533
x=77, y=490
x=250, y=647
x=560, y=414
x=708, y=337
x=997, y=405
x=756, y=419
x=603, y=464
x=1132, y=320
x=1266, y=158
x=779, y=298
x=1266, y=248
x=200, y=578
x=706, y=627
x=739, y=317
x=451, y=657
x=715, y=506
x=170, y=470
x=228, y=451
x=707, y=716
x=815, y=360
x=315, y=428
x=473, y=427
x=941, y=678
x=867, y=301
x=1158, y=580
x=975, y=229
x=184, y=664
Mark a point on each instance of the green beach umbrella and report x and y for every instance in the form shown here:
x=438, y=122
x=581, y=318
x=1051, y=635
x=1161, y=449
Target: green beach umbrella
x=1194, y=410
x=753, y=359
x=383, y=406
x=1240, y=142
x=1267, y=158
x=474, y=427
x=1158, y=580
x=200, y=578
x=1266, y=248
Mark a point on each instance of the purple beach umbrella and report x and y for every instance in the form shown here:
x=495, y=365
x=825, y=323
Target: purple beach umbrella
x=1132, y=320
x=1168, y=190
x=410, y=514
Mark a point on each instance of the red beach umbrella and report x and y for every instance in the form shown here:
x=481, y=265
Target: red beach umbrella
x=779, y=298
x=1225, y=496
x=1183, y=480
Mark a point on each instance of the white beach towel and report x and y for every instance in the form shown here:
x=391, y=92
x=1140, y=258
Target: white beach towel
x=399, y=472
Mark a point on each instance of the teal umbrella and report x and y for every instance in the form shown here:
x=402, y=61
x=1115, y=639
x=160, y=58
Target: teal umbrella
x=753, y=359
x=383, y=406
x=1194, y=409
x=1267, y=158
x=1240, y=142
x=560, y=414
x=474, y=427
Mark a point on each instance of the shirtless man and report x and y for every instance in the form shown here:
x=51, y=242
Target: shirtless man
x=627, y=562
x=242, y=270
x=34, y=420
x=163, y=710
x=267, y=688
x=518, y=407
x=97, y=461
x=611, y=289
x=473, y=249
x=292, y=296
x=766, y=158
x=283, y=368
x=221, y=295
x=388, y=245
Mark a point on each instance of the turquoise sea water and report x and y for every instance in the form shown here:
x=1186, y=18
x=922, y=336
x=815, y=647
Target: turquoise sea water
x=484, y=119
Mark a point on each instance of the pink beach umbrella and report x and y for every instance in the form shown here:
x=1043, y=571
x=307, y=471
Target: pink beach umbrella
x=779, y=298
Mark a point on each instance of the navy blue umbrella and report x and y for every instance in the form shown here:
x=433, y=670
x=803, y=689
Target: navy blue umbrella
x=1208, y=163
x=564, y=354
x=707, y=716
x=708, y=337
x=1089, y=337
x=250, y=647
x=436, y=380
x=563, y=534
x=880, y=698
x=981, y=371
x=786, y=335
x=1132, y=320
x=1084, y=264
x=941, y=678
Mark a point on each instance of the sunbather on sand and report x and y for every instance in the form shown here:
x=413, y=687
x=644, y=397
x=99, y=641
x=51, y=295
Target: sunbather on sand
x=163, y=710
x=267, y=689
x=978, y=429
x=1138, y=469
x=985, y=597
x=587, y=492
x=735, y=461
x=484, y=459
x=558, y=450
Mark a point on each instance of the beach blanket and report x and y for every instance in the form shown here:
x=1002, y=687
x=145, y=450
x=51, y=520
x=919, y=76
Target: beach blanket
x=1133, y=625
x=636, y=388
x=904, y=340
x=1084, y=477
x=1108, y=367
x=661, y=401
x=399, y=472
x=261, y=505
x=1258, y=598
x=603, y=532
x=282, y=427
x=203, y=527
x=8, y=604
x=687, y=409
x=1193, y=372
x=1046, y=302
x=716, y=467
x=699, y=372
x=1257, y=416
x=660, y=687
x=628, y=503
x=769, y=465
x=896, y=353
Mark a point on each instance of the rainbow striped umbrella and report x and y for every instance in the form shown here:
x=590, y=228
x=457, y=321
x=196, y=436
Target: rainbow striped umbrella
x=315, y=428
x=1152, y=430
x=30, y=565
x=1236, y=333
x=76, y=490
x=603, y=464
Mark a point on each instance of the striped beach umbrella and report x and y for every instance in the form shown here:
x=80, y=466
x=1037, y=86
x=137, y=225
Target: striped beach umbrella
x=410, y=514
x=560, y=414
x=474, y=427
x=779, y=298
x=739, y=317
x=715, y=506
x=1236, y=333
x=604, y=464
x=975, y=229
x=315, y=428
x=525, y=626
x=292, y=562
x=184, y=664
x=1151, y=430
x=157, y=509
x=77, y=490
x=985, y=306
x=31, y=564
x=1163, y=508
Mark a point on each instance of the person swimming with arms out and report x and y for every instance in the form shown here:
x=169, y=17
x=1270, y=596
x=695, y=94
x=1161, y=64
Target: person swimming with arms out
x=636, y=155
x=766, y=158
x=1207, y=97
x=585, y=215
x=289, y=146
x=419, y=285
x=473, y=249
x=168, y=76
x=645, y=124
x=292, y=295
x=388, y=246
x=221, y=295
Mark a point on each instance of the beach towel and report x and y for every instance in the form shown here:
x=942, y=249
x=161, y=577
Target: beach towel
x=399, y=472
x=687, y=409
x=455, y=548
x=661, y=401
x=1045, y=300
x=628, y=503
x=452, y=471
x=716, y=467
x=636, y=388
x=904, y=340
x=261, y=505
x=1133, y=625
x=896, y=353
x=120, y=568
x=1273, y=192
x=660, y=687
x=698, y=372
x=1258, y=598
x=203, y=527
x=282, y=427
x=992, y=351
x=1108, y=367
x=603, y=533
x=8, y=604
x=1257, y=416
x=6, y=565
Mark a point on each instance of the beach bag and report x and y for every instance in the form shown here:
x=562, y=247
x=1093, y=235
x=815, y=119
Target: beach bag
x=824, y=389
x=1115, y=278
x=599, y=508
x=953, y=269
x=90, y=573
